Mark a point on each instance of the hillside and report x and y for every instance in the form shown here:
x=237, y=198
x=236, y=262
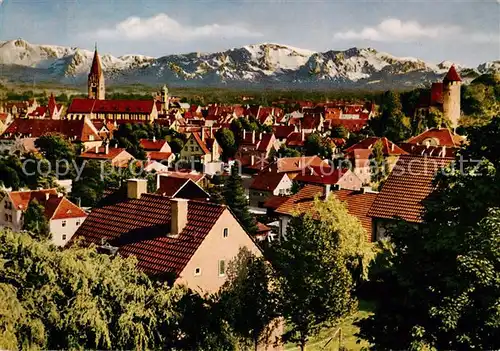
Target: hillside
x=269, y=65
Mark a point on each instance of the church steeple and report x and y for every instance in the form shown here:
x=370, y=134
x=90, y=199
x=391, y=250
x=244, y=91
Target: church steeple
x=96, y=87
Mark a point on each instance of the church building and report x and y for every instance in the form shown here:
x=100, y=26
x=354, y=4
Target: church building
x=96, y=107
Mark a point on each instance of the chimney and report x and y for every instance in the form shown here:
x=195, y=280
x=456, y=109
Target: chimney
x=211, y=132
x=244, y=134
x=47, y=195
x=202, y=134
x=154, y=138
x=443, y=151
x=302, y=134
x=253, y=136
x=179, y=209
x=252, y=160
x=106, y=148
x=136, y=187
x=96, y=149
x=260, y=136
x=327, y=191
x=392, y=147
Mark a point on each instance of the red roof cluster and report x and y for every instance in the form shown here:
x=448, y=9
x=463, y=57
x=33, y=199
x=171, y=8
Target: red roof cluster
x=75, y=130
x=437, y=137
x=87, y=106
x=152, y=145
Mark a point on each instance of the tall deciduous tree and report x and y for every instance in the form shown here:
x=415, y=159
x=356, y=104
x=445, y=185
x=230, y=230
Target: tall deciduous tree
x=226, y=140
x=379, y=166
x=35, y=221
x=316, y=145
x=236, y=199
x=317, y=265
x=250, y=304
x=441, y=285
x=391, y=122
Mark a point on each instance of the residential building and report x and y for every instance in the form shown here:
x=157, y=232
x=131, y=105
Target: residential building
x=78, y=131
x=200, y=150
x=257, y=145
x=405, y=192
x=266, y=184
x=155, y=145
x=180, y=187
x=118, y=157
x=183, y=241
x=438, y=137
x=358, y=204
x=341, y=178
x=63, y=216
x=53, y=110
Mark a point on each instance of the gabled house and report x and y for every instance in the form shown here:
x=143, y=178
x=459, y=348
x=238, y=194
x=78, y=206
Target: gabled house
x=281, y=133
x=438, y=137
x=405, y=192
x=341, y=178
x=53, y=110
x=266, y=184
x=78, y=131
x=182, y=241
x=63, y=216
x=180, y=187
x=5, y=120
x=118, y=157
x=155, y=145
x=390, y=150
x=200, y=150
x=257, y=145
x=358, y=204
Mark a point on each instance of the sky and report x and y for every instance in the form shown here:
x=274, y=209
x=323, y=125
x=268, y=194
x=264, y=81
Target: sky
x=464, y=32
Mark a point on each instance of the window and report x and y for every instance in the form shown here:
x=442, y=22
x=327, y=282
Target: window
x=6, y=217
x=64, y=223
x=64, y=236
x=197, y=271
x=77, y=223
x=225, y=233
x=222, y=268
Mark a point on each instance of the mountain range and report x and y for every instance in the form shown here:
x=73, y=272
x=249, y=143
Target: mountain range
x=259, y=65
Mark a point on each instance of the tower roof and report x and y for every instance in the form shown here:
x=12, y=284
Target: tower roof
x=96, y=69
x=452, y=75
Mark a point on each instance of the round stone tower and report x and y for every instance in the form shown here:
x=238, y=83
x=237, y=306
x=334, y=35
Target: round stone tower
x=451, y=96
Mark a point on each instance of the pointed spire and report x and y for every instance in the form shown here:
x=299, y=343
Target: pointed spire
x=452, y=75
x=96, y=64
x=52, y=104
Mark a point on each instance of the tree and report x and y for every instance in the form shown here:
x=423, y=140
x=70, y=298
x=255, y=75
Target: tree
x=441, y=284
x=79, y=299
x=236, y=199
x=225, y=138
x=316, y=145
x=287, y=152
x=391, y=122
x=247, y=297
x=55, y=147
x=317, y=265
x=176, y=144
x=339, y=132
x=8, y=176
x=379, y=165
x=35, y=221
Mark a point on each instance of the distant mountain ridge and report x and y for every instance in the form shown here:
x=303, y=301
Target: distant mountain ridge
x=267, y=64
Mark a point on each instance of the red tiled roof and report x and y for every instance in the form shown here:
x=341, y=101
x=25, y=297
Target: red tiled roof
x=432, y=151
x=152, y=145
x=195, y=177
x=140, y=227
x=61, y=208
x=40, y=111
x=295, y=139
x=169, y=186
x=311, y=121
x=3, y=116
x=79, y=130
x=296, y=164
x=201, y=143
x=389, y=148
x=21, y=199
x=358, y=204
x=267, y=181
x=452, y=75
x=52, y=106
x=282, y=132
x=439, y=136
x=111, y=106
x=316, y=175
x=352, y=125
x=113, y=152
x=159, y=156
x=265, y=141
x=408, y=186
x=275, y=201
x=262, y=228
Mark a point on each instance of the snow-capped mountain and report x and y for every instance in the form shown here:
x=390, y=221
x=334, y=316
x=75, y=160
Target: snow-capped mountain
x=253, y=65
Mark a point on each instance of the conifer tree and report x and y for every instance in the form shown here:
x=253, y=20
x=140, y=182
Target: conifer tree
x=236, y=199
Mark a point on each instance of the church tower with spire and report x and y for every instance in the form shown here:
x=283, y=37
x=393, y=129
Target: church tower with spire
x=96, y=87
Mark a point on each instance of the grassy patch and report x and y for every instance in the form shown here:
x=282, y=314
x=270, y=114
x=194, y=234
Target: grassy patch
x=322, y=341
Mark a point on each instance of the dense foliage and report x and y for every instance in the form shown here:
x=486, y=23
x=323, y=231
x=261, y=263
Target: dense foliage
x=35, y=221
x=441, y=281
